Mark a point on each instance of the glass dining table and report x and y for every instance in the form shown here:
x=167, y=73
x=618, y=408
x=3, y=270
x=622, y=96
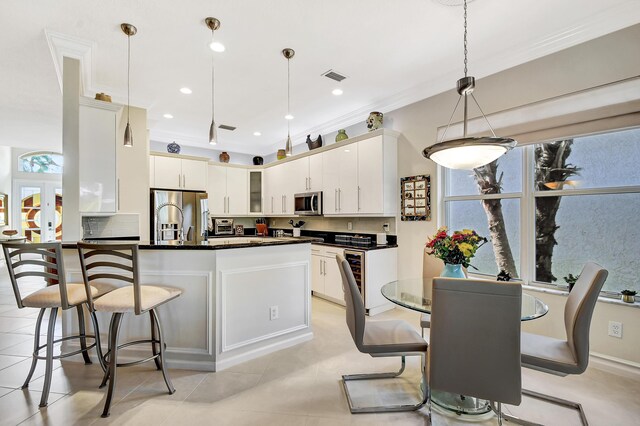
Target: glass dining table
x=415, y=294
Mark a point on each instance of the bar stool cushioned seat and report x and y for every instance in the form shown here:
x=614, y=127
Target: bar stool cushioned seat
x=122, y=300
x=49, y=297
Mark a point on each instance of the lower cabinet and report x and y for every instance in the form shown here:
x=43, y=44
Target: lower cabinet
x=326, y=281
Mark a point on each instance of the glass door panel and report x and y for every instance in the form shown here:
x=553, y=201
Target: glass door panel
x=31, y=212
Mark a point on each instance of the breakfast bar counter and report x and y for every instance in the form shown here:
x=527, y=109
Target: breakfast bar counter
x=242, y=298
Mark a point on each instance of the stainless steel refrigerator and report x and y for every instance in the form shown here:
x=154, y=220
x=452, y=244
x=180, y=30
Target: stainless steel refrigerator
x=179, y=216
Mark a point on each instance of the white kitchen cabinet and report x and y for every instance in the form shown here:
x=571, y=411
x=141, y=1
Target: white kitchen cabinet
x=306, y=174
x=228, y=191
x=97, y=171
x=179, y=173
x=361, y=178
x=315, y=172
x=281, y=183
x=326, y=280
x=256, y=195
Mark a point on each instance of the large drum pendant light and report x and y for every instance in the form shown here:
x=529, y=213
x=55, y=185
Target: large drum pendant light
x=129, y=30
x=288, y=149
x=213, y=25
x=467, y=152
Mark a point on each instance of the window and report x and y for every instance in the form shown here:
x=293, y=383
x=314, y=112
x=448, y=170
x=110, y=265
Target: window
x=40, y=162
x=561, y=204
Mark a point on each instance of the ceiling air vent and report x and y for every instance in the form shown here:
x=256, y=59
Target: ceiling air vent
x=334, y=75
x=225, y=127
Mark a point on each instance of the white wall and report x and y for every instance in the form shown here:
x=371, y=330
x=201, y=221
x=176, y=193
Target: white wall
x=71, y=226
x=600, y=61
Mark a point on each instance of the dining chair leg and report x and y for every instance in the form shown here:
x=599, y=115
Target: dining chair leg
x=113, y=360
x=49, y=359
x=83, y=334
x=96, y=332
x=154, y=338
x=36, y=345
x=105, y=377
x=165, y=374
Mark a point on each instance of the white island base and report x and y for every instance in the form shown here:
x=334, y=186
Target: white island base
x=225, y=313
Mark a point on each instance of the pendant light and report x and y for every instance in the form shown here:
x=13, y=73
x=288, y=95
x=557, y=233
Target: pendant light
x=288, y=148
x=129, y=30
x=467, y=152
x=213, y=25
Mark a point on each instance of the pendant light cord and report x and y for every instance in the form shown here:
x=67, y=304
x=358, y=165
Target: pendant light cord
x=465, y=38
x=288, y=96
x=128, y=75
x=212, y=80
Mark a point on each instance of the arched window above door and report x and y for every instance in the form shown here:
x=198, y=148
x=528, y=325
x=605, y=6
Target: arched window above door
x=40, y=162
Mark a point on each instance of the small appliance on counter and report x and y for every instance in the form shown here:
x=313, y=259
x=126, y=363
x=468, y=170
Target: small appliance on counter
x=223, y=226
x=261, y=227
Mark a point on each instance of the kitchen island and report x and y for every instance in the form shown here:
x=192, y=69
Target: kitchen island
x=242, y=298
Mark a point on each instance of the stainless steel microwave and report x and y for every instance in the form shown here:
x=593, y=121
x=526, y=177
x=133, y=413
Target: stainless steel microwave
x=308, y=204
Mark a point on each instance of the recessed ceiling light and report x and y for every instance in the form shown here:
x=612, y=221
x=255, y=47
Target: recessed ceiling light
x=337, y=92
x=216, y=46
x=168, y=116
x=186, y=91
x=257, y=134
x=288, y=117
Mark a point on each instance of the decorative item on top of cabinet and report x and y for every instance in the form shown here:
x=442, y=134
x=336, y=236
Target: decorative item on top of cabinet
x=281, y=154
x=224, y=157
x=258, y=161
x=374, y=122
x=239, y=229
x=313, y=144
x=415, y=198
x=342, y=135
x=173, y=148
x=102, y=97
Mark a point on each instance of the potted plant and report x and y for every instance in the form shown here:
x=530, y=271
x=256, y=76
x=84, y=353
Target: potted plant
x=455, y=250
x=571, y=281
x=628, y=296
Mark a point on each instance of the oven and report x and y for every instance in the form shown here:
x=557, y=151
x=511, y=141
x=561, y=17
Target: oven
x=223, y=226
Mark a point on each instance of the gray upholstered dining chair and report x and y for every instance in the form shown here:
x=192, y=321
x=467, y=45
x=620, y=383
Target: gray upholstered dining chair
x=570, y=356
x=431, y=267
x=378, y=339
x=119, y=263
x=32, y=262
x=474, y=347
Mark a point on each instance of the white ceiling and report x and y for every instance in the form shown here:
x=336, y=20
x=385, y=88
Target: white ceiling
x=393, y=52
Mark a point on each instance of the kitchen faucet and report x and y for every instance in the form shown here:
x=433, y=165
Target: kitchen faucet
x=180, y=229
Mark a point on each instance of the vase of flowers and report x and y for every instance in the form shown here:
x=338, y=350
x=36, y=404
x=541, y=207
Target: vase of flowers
x=455, y=250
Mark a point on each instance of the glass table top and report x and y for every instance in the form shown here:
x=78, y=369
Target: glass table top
x=415, y=294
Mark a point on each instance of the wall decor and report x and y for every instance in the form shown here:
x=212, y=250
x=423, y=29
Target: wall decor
x=239, y=229
x=415, y=198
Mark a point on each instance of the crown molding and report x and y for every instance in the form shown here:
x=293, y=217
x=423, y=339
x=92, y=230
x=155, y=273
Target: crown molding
x=64, y=45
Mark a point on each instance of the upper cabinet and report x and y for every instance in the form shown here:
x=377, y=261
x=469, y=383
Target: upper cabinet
x=98, y=122
x=361, y=178
x=178, y=173
x=228, y=191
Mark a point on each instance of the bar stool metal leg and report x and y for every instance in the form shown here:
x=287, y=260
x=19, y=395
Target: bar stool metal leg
x=83, y=334
x=36, y=346
x=49, y=360
x=113, y=360
x=96, y=331
x=167, y=380
x=154, y=338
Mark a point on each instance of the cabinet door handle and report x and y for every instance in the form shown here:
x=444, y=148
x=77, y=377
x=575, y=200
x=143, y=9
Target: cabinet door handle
x=272, y=204
x=321, y=267
x=358, y=198
x=335, y=203
x=339, y=199
x=325, y=267
x=184, y=181
x=179, y=181
x=118, y=189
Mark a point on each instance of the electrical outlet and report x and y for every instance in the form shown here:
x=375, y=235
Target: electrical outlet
x=385, y=227
x=615, y=329
x=349, y=226
x=273, y=313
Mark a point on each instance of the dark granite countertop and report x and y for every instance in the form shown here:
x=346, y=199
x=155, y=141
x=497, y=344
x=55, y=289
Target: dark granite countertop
x=246, y=241
x=363, y=248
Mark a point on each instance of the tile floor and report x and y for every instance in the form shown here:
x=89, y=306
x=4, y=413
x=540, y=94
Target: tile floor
x=296, y=386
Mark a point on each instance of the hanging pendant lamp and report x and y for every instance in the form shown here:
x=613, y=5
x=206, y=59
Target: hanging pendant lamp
x=288, y=148
x=129, y=30
x=467, y=152
x=213, y=25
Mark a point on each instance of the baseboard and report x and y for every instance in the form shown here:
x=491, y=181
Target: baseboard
x=618, y=366
x=230, y=361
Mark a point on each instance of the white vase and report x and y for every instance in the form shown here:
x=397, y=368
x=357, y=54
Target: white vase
x=296, y=232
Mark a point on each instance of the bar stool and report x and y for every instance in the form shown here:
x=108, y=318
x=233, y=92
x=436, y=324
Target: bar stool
x=119, y=262
x=58, y=294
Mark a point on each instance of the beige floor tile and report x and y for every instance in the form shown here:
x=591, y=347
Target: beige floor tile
x=8, y=340
x=15, y=375
x=7, y=360
x=218, y=386
x=19, y=405
x=9, y=324
x=80, y=408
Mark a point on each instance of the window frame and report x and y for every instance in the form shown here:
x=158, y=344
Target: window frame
x=527, y=197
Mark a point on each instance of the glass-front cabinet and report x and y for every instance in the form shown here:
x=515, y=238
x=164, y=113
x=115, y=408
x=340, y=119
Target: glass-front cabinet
x=255, y=192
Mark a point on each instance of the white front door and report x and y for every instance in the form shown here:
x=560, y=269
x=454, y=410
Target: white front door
x=37, y=209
